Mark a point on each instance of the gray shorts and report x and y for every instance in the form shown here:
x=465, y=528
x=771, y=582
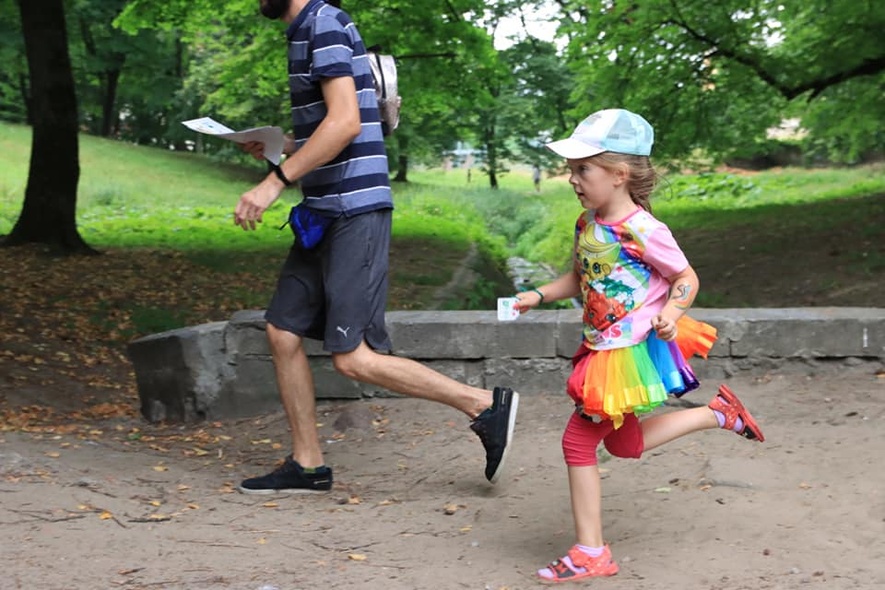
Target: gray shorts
x=337, y=292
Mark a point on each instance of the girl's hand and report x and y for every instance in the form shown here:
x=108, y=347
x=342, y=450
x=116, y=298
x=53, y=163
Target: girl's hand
x=665, y=328
x=527, y=300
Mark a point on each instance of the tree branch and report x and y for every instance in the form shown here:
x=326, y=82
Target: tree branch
x=867, y=67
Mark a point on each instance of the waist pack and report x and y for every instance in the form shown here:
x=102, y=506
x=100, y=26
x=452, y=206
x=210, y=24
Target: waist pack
x=308, y=226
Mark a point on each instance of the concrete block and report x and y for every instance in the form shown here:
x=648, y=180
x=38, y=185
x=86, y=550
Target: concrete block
x=251, y=391
x=569, y=331
x=810, y=333
x=529, y=376
x=224, y=369
x=453, y=334
x=180, y=372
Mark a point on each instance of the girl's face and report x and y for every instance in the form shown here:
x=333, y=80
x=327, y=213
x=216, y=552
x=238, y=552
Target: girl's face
x=596, y=187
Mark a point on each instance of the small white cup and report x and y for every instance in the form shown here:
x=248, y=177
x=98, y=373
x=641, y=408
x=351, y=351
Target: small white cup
x=507, y=309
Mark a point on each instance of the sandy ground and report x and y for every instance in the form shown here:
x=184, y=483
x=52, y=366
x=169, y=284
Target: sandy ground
x=155, y=507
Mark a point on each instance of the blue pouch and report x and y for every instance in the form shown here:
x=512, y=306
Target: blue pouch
x=308, y=226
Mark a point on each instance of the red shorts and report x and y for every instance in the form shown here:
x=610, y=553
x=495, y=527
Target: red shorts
x=582, y=437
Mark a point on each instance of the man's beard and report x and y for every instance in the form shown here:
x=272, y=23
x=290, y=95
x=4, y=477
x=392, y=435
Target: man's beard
x=274, y=9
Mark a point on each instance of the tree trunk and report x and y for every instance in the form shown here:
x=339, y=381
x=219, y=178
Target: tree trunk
x=49, y=212
x=402, y=169
x=108, y=112
x=491, y=154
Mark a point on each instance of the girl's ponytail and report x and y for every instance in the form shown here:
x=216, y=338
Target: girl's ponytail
x=642, y=177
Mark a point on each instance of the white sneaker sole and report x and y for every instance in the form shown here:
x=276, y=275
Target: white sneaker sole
x=511, y=425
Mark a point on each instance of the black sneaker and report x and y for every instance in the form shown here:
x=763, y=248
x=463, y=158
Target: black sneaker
x=495, y=429
x=289, y=478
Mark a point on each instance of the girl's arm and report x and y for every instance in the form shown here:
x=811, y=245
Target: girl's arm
x=564, y=287
x=683, y=290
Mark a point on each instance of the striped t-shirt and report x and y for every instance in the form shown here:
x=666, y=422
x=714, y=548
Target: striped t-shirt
x=324, y=43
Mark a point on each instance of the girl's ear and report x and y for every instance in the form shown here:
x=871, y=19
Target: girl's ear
x=621, y=173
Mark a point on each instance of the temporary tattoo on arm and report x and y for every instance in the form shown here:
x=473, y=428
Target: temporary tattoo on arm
x=681, y=296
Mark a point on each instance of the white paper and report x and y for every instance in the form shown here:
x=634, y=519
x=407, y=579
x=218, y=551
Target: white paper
x=272, y=137
x=507, y=309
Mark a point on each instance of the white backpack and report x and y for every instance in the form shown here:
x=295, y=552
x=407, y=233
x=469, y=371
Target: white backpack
x=384, y=75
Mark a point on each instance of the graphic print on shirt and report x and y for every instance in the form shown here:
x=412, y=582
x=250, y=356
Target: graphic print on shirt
x=613, y=279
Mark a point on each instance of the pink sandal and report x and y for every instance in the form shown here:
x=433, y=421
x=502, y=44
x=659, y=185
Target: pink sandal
x=577, y=565
x=732, y=408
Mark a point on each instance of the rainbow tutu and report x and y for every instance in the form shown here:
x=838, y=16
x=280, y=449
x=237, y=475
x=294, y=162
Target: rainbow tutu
x=639, y=378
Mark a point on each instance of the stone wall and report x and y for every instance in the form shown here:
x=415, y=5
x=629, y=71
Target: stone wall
x=223, y=369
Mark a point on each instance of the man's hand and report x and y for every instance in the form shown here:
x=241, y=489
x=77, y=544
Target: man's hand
x=665, y=328
x=254, y=203
x=255, y=148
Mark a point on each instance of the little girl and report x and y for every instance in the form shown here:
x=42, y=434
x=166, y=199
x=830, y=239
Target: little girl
x=636, y=286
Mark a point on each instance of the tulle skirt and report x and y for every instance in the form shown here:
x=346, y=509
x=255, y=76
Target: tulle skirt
x=639, y=378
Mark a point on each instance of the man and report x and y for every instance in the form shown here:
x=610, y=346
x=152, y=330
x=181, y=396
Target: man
x=337, y=290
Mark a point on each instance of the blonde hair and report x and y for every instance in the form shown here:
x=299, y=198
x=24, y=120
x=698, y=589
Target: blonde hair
x=642, y=178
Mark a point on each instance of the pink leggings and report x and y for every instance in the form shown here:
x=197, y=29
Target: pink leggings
x=582, y=437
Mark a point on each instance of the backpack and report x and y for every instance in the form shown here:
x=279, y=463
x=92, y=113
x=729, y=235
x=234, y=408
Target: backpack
x=384, y=76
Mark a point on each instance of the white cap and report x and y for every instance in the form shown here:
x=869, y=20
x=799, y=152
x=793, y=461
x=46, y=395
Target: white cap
x=610, y=130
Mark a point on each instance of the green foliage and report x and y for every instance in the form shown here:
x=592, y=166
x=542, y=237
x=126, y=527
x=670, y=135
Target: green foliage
x=13, y=74
x=707, y=186
x=848, y=122
x=718, y=77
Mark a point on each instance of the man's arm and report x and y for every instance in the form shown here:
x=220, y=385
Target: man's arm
x=338, y=128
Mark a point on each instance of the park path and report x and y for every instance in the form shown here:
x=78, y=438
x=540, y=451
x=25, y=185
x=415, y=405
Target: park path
x=155, y=507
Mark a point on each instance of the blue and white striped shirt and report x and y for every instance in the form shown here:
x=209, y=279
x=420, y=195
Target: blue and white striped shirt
x=324, y=43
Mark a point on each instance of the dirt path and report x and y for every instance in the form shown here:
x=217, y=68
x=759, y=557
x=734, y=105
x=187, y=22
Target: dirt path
x=141, y=507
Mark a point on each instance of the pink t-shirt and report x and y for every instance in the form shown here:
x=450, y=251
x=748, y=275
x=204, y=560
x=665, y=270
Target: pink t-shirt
x=623, y=269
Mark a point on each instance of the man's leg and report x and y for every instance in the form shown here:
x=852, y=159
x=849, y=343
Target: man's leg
x=493, y=413
x=304, y=471
x=295, y=383
x=411, y=378
x=355, y=265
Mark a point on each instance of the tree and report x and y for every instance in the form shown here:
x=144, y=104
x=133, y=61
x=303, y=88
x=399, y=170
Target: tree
x=718, y=75
x=542, y=97
x=49, y=212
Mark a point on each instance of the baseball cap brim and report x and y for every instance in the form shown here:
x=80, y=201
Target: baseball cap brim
x=572, y=149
